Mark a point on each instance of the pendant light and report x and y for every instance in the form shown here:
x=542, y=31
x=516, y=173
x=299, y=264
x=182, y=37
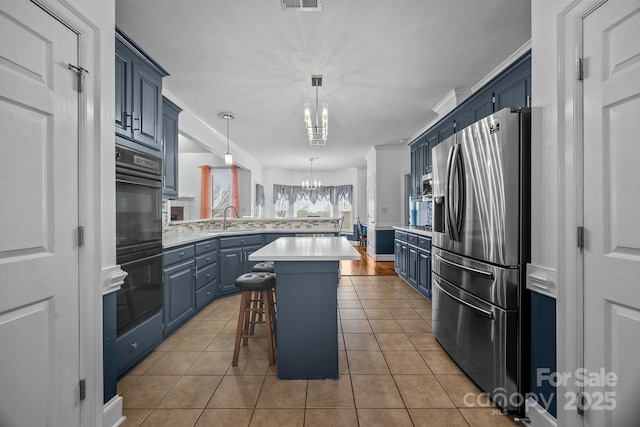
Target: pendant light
x=317, y=131
x=228, y=158
x=310, y=183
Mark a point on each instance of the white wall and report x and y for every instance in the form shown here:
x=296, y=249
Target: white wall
x=247, y=192
x=392, y=162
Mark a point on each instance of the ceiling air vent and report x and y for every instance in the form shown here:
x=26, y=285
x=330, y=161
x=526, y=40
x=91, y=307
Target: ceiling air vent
x=302, y=5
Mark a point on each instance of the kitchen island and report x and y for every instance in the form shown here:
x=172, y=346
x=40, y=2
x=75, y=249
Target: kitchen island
x=307, y=270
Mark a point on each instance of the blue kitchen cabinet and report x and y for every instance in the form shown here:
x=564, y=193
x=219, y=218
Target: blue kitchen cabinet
x=412, y=259
x=109, y=339
x=137, y=343
x=138, y=97
x=400, y=254
x=446, y=128
x=414, y=171
x=178, y=286
x=424, y=266
x=207, y=272
x=431, y=140
x=230, y=268
x=479, y=107
x=512, y=88
x=234, y=259
x=170, y=113
x=412, y=266
x=543, y=350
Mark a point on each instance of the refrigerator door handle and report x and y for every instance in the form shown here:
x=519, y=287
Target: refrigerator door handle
x=489, y=275
x=479, y=310
x=449, y=192
x=455, y=204
x=459, y=169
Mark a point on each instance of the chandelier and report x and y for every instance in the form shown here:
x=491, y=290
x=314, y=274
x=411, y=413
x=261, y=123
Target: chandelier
x=310, y=183
x=228, y=158
x=317, y=131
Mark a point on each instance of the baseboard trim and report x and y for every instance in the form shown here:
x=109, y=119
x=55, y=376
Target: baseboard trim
x=538, y=416
x=112, y=413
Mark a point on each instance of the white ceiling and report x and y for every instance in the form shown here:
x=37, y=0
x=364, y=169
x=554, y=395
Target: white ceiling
x=385, y=65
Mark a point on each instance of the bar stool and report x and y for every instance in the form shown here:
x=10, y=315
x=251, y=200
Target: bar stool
x=256, y=288
x=266, y=267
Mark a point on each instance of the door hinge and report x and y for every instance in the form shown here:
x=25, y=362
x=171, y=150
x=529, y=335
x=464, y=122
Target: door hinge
x=579, y=69
x=580, y=237
x=80, y=72
x=83, y=389
x=80, y=236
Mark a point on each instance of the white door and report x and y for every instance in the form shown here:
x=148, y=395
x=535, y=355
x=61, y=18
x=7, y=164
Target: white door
x=39, y=320
x=612, y=212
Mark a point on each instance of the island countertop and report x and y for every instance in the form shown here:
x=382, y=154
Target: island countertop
x=307, y=249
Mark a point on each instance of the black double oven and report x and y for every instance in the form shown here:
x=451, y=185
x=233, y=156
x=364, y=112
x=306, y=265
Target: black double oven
x=138, y=236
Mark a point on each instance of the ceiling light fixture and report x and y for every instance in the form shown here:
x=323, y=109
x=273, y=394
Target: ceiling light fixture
x=228, y=158
x=317, y=132
x=310, y=184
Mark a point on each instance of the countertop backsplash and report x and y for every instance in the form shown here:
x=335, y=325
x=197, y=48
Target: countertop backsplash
x=215, y=224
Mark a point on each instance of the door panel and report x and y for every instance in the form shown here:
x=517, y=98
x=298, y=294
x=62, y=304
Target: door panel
x=39, y=313
x=490, y=204
x=612, y=203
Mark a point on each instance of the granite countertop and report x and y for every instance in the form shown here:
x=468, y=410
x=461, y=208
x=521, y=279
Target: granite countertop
x=413, y=230
x=307, y=249
x=182, y=238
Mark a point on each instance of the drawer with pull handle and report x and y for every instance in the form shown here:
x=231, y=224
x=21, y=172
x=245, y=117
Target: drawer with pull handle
x=181, y=253
x=206, y=275
x=206, y=246
x=206, y=259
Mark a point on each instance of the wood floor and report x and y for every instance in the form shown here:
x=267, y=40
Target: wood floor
x=366, y=266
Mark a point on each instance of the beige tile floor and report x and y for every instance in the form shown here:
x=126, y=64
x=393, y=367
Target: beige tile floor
x=392, y=372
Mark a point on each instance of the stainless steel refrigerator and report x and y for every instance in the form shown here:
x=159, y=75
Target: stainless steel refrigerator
x=481, y=244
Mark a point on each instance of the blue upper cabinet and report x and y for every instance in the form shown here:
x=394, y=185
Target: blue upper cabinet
x=170, y=112
x=511, y=88
x=138, y=97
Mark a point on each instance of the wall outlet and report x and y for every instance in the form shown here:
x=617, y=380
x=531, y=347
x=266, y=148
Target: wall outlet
x=384, y=210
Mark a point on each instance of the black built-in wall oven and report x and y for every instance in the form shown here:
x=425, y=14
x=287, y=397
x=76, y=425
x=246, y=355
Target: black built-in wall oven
x=138, y=236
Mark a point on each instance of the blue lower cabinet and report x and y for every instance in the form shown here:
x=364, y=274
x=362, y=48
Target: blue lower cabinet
x=110, y=372
x=412, y=259
x=412, y=266
x=234, y=259
x=384, y=242
x=135, y=344
x=178, y=295
x=231, y=264
x=424, y=273
x=206, y=294
x=543, y=351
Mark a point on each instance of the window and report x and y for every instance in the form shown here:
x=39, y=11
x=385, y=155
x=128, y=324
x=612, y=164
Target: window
x=305, y=208
x=222, y=191
x=324, y=202
x=343, y=209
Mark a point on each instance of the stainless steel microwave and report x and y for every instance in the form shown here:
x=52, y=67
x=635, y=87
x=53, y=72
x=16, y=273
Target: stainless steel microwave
x=427, y=187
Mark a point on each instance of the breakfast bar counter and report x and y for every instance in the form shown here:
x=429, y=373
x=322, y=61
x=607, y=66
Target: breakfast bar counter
x=307, y=274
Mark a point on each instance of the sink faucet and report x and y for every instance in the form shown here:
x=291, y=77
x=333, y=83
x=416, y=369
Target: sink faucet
x=224, y=223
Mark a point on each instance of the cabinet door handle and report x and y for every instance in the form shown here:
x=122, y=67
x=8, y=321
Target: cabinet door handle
x=181, y=254
x=126, y=119
x=134, y=345
x=137, y=119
